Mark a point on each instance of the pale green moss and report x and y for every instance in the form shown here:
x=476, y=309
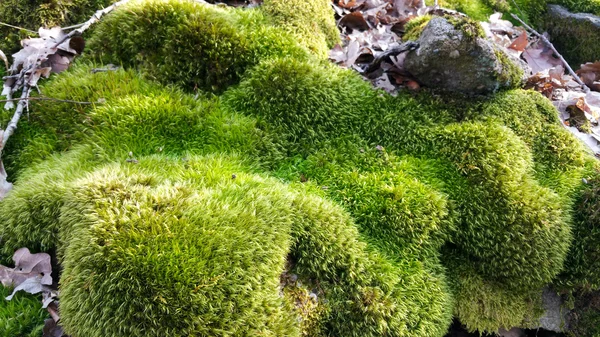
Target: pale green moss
x=414, y=27
x=311, y=22
x=511, y=75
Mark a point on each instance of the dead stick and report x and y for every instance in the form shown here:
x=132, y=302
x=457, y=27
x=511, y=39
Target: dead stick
x=16, y=27
x=549, y=44
x=12, y=125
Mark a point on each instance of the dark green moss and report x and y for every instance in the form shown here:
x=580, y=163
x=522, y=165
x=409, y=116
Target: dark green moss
x=41, y=13
x=583, y=263
x=585, y=319
x=23, y=316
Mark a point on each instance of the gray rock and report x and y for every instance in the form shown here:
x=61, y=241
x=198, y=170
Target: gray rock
x=575, y=35
x=555, y=317
x=561, y=13
x=450, y=61
x=514, y=332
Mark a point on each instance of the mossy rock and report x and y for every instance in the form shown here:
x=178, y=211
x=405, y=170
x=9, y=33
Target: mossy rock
x=453, y=56
x=576, y=36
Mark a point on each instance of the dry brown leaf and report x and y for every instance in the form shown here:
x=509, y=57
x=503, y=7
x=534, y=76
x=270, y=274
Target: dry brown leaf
x=520, y=43
x=354, y=20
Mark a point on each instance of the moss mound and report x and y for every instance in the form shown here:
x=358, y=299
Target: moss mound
x=311, y=22
x=159, y=36
x=388, y=214
x=233, y=237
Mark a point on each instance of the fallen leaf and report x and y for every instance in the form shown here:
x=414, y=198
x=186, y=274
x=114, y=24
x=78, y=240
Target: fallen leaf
x=520, y=43
x=540, y=59
x=32, y=285
x=354, y=20
x=27, y=266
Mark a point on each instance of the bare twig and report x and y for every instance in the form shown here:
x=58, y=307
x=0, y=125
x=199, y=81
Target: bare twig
x=73, y=26
x=16, y=27
x=95, y=18
x=551, y=46
x=44, y=99
x=12, y=125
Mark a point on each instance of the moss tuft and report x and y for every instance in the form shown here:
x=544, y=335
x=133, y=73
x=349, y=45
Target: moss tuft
x=511, y=75
x=470, y=28
x=189, y=44
x=485, y=306
x=414, y=27
x=311, y=22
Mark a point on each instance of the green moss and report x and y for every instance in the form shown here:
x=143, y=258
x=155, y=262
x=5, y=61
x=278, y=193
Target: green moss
x=311, y=22
x=470, y=28
x=485, y=306
x=511, y=75
x=414, y=27
x=53, y=126
x=476, y=9
x=583, y=262
x=183, y=240
x=187, y=43
x=22, y=316
x=120, y=225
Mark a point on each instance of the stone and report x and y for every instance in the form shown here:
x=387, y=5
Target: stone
x=514, y=332
x=555, y=317
x=452, y=59
x=575, y=35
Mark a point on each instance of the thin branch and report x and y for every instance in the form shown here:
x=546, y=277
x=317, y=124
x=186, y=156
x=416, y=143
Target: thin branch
x=95, y=18
x=73, y=26
x=549, y=44
x=44, y=99
x=16, y=27
x=518, y=8
x=12, y=125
